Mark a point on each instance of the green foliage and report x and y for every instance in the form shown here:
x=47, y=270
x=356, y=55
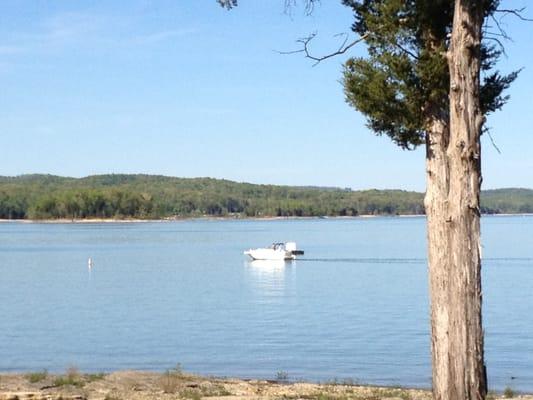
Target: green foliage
x=72, y=377
x=95, y=377
x=154, y=197
x=507, y=201
x=402, y=85
x=34, y=377
x=396, y=393
x=509, y=393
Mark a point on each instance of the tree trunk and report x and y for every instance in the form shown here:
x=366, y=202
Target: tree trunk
x=452, y=208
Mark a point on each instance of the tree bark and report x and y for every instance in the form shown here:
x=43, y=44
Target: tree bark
x=452, y=206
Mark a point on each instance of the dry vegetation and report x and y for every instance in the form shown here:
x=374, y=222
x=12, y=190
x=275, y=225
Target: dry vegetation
x=174, y=384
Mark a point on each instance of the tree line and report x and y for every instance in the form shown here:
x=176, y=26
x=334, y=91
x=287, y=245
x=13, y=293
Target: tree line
x=152, y=197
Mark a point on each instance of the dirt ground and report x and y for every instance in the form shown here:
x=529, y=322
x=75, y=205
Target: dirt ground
x=137, y=385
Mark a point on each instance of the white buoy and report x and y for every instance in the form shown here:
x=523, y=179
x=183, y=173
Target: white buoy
x=90, y=262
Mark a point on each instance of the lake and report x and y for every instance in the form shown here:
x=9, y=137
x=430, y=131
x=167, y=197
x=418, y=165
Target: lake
x=355, y=306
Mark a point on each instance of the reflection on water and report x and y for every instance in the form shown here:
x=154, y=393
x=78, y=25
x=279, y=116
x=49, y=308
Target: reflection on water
x=269, y=278
x=268, y=266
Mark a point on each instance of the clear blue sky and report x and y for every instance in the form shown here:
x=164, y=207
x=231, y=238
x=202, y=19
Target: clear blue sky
x=185, y=88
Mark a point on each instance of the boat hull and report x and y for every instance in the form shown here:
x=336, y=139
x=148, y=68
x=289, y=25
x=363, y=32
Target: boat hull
x=269, y=254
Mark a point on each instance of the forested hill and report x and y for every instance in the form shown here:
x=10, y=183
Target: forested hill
x=150, y=196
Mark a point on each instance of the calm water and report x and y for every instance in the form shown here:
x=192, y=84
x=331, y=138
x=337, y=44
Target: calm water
x=355, y=306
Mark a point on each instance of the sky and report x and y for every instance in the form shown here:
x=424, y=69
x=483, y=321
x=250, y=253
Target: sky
x=185, y=88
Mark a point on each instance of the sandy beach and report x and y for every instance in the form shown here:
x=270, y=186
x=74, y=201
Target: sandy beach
x=174, y=384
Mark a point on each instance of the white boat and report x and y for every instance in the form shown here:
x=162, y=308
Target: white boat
x=277, y=251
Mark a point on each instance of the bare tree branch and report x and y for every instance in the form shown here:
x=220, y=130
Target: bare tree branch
x=497, y=34
x=500, y=32
x=487, y=131
x=309, y=6
x=489, y=36
x=500, y=29
x=517, y=12
x=343, y=48
x=406, y=51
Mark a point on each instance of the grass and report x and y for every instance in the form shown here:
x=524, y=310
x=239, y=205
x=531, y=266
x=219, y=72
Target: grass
x=491, y=396
x=174, y=381
x=315, y=396
x=95, y=377
x=193, y=394
x=370, y=393
x=72, y=377
x=329, y=396
x=509, y=393
x=171, y=379
x=397, y=393
x=216, y=389
x=38, y=376
x=343, y=382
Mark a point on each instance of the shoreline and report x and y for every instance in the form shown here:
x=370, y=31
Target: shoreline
x=214, y=218
x=183, y=219
x=176, y=384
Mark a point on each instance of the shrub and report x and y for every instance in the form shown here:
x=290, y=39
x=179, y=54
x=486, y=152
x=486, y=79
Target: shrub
x=34, y=377
x=508, y=393
x=95, y=377
x=170, y=380
x=72, y=377
x=282, y=376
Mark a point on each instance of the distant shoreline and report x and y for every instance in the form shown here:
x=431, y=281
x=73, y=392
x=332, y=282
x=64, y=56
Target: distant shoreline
x=181, y=219
x=214, y=218
x=135, y=197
